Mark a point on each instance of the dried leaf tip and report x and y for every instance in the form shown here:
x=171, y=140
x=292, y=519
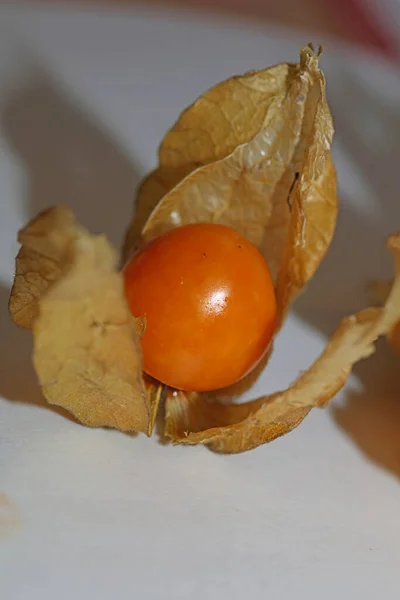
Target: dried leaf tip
x=318, y=52
x=309, y=57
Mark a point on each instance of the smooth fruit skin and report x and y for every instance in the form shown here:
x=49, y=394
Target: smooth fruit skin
x=209, y=303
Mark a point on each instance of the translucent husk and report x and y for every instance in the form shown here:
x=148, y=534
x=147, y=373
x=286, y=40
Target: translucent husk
x=252, y=153
x=86, y=354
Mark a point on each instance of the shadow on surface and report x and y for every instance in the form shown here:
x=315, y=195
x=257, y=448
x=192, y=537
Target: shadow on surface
x=18, y=381
x=69, y=160
x=371, y=416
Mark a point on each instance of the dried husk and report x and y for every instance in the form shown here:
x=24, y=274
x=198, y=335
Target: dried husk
x=86, y=345
x=234, y=428
x=253, y=153
x=223, y=118
x=44, y=249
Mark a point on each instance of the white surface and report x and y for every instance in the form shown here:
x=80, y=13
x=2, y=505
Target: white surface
x=85, y=98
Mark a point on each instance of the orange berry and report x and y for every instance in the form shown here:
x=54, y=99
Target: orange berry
x=209, y=303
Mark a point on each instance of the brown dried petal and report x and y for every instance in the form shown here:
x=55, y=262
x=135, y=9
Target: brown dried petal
x=236, y=428
x=45, y=250
x=45, y=244
x=86, y=350
x=226, y=116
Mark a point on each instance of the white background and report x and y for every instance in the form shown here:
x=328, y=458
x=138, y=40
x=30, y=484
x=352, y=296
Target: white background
x=85, y=98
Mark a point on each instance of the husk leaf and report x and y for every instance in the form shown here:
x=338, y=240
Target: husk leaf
x=226, y=116
x=236, y=428
x=243, y=175
x=86, y=343
x=44, y=248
